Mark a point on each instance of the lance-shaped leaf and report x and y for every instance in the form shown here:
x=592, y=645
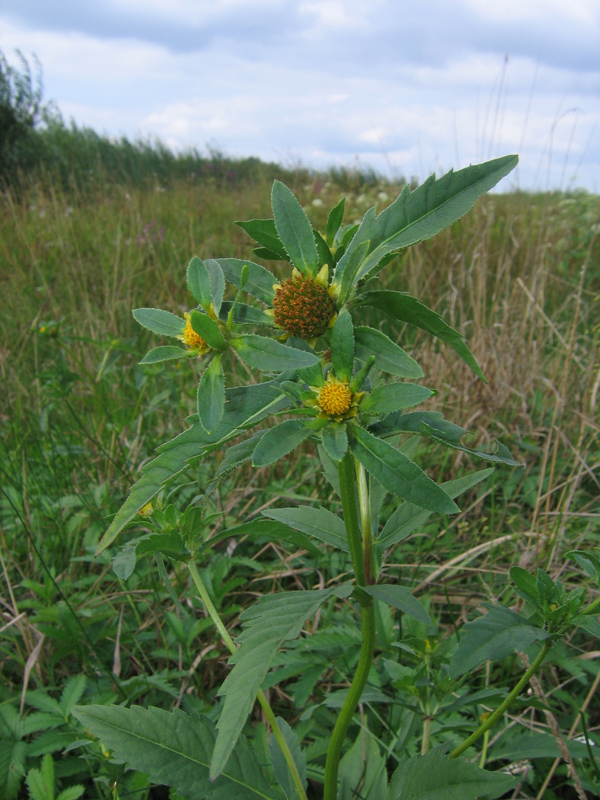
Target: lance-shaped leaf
x=394, y=397
x=399, y=597
x=335, y=440
x=405, y=308
x=389, y=357
x=269, y=529
x=159, y=321
x=165, y=353
x=174, y=749
x=246, y=406
x=334, y=222
x=398, y=473
x=279, y=764
x=169, y=544
x=436, y=776
x=245, y=314
x=198, y=281
x=349, y=263
x=281, y=440
x=264, y=232
x=272, y=621
x=294, y=229
x=433, y=206
x=269, y=355
x=259, y=282
x=208, y=329
x=217, y=283
x=408, y=516
x=342, y=346
x=323, y=252
x=211, y=395
x=496, y=635
x=317, y=522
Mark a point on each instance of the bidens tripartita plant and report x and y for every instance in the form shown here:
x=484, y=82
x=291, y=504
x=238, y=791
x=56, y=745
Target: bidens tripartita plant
x=334, y=380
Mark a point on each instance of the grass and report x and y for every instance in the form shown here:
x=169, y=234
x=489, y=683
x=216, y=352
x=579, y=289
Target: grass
x=519, y=276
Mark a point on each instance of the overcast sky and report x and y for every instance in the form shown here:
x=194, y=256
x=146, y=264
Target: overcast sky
x=407, y=88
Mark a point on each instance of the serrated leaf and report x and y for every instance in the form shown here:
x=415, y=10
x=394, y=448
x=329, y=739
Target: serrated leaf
x=169, y=544
x=389, y=357
x=269, y=355
x=433, y=206
x=398, y=473
x=362, y=772
x=240, y=452
x=408, y=516
x=211, y=395
x=198, y=282
x=317, y=522
x=159, y=321
x=391, y=397
x=342, y=346
x=399, y=597
x=335, y=441
x=436, y=776
x=405, y=308
x=72, y=693
x=280, y=768
x=40, y=782
x=174, y=749
x=208, y=329
x=165, y=353
x=294, y=229
x=323, y=252
x=281, y=440
x=273, y=620
x=355, y=253
x=265, y=233
x=269, y=529
x=496, y=635
x=246, y=406
x=259, y=282
x=245, y=314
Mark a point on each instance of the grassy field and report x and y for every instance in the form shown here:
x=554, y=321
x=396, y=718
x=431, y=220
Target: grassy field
x=519, y=277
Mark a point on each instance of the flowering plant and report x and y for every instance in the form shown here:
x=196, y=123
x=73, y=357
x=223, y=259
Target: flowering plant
x=337, y=381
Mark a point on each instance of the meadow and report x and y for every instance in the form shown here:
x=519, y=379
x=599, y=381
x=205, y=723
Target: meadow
x=519, y=277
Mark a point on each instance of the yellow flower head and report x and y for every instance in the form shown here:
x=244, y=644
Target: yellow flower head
x=190, y=337
x=335, y=397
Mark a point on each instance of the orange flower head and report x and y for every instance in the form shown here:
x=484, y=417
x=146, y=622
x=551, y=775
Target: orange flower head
x=303, y=307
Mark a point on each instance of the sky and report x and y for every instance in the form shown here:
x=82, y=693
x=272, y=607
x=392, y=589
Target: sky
x=402, y=87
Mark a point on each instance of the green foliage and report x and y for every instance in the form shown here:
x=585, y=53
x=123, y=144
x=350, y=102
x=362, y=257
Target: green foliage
x=280, y=767
x=294, y=229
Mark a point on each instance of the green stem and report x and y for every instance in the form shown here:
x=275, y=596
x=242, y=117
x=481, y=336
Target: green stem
x=351, y=521
x=498, y=713
x=364, y=503
x=218, y=622
x=592, y=608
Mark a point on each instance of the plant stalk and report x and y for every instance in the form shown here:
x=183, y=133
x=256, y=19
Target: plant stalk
x=364, y=503
x=498, y=713
x=348, y=494
x=266, y=707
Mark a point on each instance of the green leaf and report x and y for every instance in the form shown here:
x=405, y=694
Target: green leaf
x=408, y=516
x=534, y=745
x=208, y=329
x=279, y=764
x=71, y=792
x=238, y=453
x=527, y=585
x=355, y=253
x=13, y=752
x=588, y=561
x=259, y=282
x=496, y=635
x=269, y=355
x=273, y=620
x=294, y=229
x=394, y=397
x=269, y=529
x=281, y=440
x=436, y=776
x=342, y=346
x=40, y=782
x=165, y=353
x=169, y=544
x=323, y=252
x=198, y=281
x=389, y=357
x=398, y=473
x=245, y=314
x=334, y=221
x=317, y=522
x=433, y=206
x=264, y=232
x=211, y=395
x=335, y=441
x=217, y=284
x=405, y=308
x=399, y=597
x=174, y=749
x=362, y=772
x=158, y=321
x=246, y=406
